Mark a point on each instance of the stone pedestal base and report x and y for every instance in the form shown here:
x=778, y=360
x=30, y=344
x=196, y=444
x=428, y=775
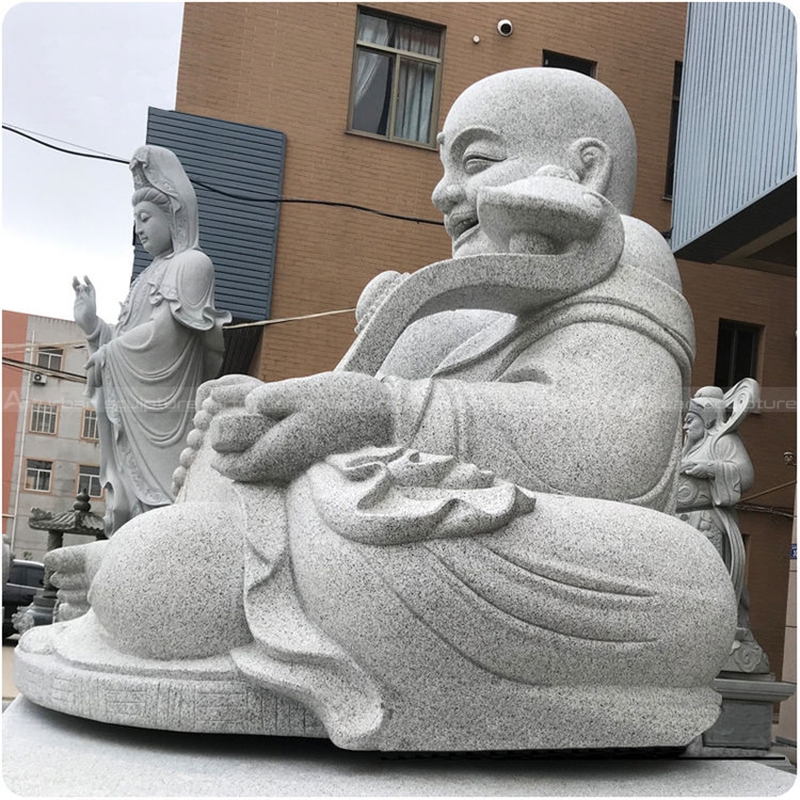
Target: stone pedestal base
x=69, y=667
x=744, y=727
x=86, y=758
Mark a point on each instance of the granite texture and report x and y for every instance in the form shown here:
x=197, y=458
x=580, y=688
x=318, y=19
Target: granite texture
x=463, y=537
x=88, y=759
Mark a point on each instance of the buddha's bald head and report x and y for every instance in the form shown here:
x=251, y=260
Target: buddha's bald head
x=541, y=118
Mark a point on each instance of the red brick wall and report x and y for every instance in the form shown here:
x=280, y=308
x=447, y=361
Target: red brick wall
x=15, y=330
x=288, y=66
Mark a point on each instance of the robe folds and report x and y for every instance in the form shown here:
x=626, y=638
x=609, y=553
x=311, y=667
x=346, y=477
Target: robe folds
x=472, y=557
x=168, y=340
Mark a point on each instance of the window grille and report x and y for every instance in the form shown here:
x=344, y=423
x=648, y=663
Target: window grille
x=37, y=475
x=396, y=76
x=89, y=480
x=89, y=424
x=44, y=418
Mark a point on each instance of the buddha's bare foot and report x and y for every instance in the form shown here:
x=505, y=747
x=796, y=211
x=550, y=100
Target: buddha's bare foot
x=72, y=571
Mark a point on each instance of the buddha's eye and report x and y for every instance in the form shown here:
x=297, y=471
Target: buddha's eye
x=477, y=162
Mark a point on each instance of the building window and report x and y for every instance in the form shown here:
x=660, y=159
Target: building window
x=50, y=357
x=89, y=424
x=89, y=481
x=673, y=128
x=37, y=476
x=737, y=352
x=396, y=73
x=561, y=61
x=44, y=418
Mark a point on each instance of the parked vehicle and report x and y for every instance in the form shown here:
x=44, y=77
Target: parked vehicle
x=24, y=578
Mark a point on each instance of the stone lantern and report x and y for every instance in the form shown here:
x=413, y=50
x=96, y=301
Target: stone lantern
x=81, y=520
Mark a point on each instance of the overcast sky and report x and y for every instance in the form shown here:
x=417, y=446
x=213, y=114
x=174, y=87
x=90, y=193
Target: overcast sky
x=84, y=73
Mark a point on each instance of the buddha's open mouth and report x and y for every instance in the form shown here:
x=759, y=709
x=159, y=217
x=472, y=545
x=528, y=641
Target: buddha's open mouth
x=461, y=227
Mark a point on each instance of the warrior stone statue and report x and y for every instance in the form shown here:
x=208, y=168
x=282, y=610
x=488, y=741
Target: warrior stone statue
x=715, y=471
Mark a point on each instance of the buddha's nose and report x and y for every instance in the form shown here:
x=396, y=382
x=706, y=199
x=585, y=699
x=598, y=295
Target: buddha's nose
x=446, y=195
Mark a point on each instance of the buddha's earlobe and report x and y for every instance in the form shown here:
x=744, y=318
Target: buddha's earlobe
x=592, y=160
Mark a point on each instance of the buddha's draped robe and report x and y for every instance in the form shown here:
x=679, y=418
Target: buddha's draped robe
x=441, y=556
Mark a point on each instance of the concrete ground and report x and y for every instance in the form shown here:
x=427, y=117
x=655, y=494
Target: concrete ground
x=10, y=692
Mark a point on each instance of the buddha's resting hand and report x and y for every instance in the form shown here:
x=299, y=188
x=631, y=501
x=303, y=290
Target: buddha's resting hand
x=72, y=570
x=287, y=426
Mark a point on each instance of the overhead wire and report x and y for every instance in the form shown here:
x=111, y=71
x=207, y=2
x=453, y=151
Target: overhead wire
x=55, y=139
x=27, y=366
x=232, y=195
x=235, y=196
x=76, y=345
x=262, y=322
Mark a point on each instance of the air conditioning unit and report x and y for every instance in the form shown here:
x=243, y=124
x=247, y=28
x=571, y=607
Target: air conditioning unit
x=39, y=378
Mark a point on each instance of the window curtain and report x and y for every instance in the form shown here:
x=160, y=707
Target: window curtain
x=375, y=31
x=417, y=81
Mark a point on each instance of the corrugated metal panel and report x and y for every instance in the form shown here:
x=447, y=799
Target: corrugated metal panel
x=737, y=134
x=239, y=236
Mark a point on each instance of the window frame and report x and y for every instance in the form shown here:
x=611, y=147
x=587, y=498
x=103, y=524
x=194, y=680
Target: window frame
x=51, y=352
x=672, y=142
x=592, y=64
x=39, y=470
x=756, y=355
x=81, y=473
x=437, y=61
x=84, y=415
x=56, y=413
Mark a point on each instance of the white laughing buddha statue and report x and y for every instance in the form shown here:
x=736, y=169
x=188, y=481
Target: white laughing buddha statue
x=461, y=538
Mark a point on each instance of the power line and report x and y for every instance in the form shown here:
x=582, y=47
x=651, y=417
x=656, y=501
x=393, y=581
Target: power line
x=229, y=327
x=232, y=195
x=62, y=149
x=16, y=128
x=27, y=366
x=76, y=345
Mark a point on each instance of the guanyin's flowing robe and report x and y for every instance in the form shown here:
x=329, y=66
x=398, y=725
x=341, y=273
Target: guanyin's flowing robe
x=167, y=341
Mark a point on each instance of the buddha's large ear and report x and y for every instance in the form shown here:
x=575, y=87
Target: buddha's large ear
x=592, y=160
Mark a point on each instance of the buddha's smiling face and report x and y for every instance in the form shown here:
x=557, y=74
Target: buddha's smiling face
x=521, y=123
x=478, y=151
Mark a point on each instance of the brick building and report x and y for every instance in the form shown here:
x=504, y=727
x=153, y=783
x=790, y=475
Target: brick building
x=360, y=92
